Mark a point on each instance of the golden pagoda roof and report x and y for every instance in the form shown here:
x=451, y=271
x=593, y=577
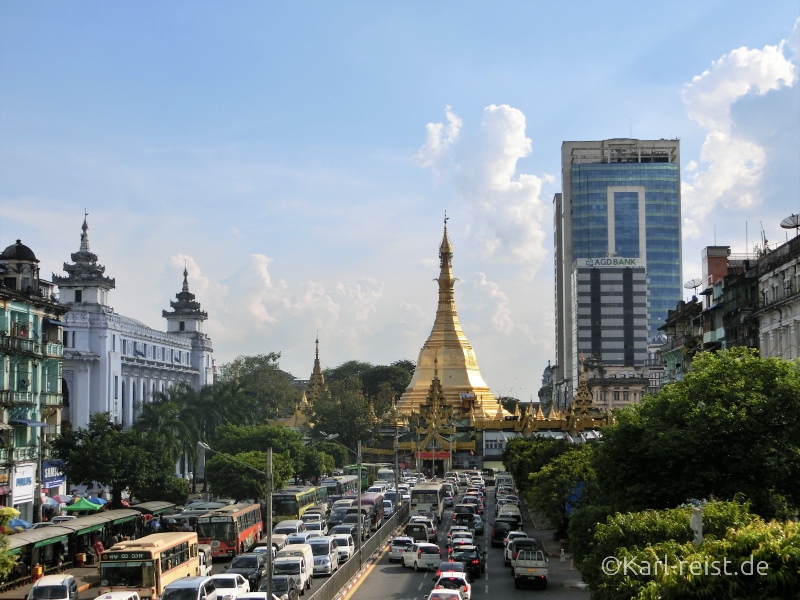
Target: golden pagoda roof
x=316, y=383
x=461, y=378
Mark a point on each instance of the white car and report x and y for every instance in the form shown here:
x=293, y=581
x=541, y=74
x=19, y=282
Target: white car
x=461, y=538
x=398, y=546
x=422, y=555
x=346, y=546
x=444, y=595
x=455, y=529
x=431, y=527
x=230, y=585
x=318, y=527
x=454, y=580
x=301, y=537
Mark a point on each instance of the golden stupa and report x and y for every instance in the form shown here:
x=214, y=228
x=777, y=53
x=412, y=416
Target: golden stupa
x=448, y=347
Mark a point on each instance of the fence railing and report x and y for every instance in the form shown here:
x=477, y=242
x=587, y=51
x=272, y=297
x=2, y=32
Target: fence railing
x=335, y=584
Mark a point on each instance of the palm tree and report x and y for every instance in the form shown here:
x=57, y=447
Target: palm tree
x=173, y=416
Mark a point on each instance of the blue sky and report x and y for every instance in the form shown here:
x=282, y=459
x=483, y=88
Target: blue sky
x=300, y=156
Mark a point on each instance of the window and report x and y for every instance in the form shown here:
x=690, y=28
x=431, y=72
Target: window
x=182, y=326
x=65, y=335
x=113, y=343
x=78, y=296
x=116, y=387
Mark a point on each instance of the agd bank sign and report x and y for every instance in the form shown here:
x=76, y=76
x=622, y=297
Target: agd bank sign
x=610, y=261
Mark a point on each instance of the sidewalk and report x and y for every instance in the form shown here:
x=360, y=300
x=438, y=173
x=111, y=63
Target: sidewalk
x=86, y=578
x=545, y=533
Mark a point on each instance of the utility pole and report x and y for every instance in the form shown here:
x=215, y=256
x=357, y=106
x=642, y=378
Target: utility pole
x=269, y=522
x=360, y=523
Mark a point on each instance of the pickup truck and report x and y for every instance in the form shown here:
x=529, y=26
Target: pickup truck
x=529, y=566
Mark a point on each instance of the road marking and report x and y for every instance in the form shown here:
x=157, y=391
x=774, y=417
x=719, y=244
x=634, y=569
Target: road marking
x=421, y=584
x=366, y=573
x=487, y=588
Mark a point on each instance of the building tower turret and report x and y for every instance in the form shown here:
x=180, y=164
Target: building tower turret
x=85, y=282
x=186, y=316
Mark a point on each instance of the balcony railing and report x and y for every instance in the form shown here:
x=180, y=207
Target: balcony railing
x=12, y=397
x=51, y=399
x=54, y=349
x=25, y=453
x=4, y=455
x=19, y=344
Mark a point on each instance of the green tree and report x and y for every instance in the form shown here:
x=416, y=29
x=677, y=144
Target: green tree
x=720, y=432
x=173, y=417
x=243, y=476
x=565, y=479
x=339, y=454
x=315, y=464
x=106, y=454
x=523, y=456
x=260, y=388
x=380, y=384
x=7, y=561
x=345, y=411
x=650, y=538
x=233, y=439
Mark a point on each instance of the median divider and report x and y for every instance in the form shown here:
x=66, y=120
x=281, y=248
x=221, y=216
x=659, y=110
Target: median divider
x=351, y=572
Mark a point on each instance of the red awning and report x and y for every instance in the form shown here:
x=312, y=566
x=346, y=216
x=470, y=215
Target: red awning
x=4, y=490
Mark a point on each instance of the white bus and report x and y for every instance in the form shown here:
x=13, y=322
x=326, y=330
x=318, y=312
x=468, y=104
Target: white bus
x=428, y=497
x=386, y=474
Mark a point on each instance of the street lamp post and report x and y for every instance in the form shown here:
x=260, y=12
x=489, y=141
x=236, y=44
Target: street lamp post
x=269, y=490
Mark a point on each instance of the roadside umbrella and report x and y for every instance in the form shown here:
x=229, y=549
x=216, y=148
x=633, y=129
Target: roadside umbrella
x=99, y=501
x=62, y=499
x=49, y=501
x=19, y=524
x=82, y=505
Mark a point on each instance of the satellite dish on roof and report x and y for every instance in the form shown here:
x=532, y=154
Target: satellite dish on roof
x=791, y=222
x=693, y=284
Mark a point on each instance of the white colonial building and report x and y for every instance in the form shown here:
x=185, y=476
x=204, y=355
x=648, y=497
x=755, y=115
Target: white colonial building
x=114, y=363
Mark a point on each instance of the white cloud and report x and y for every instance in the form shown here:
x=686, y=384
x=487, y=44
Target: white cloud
x=501, y=313
x=509, y=213
x=731, y=166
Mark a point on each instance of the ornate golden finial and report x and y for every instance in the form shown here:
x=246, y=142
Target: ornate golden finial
x=539, y=413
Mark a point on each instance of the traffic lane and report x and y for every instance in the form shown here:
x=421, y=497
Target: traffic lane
x=500, y=583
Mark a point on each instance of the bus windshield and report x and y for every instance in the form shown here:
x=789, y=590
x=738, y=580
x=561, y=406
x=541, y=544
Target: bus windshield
x=216, y=531
x=425, y=496
x=284, y=506
x=135, y=574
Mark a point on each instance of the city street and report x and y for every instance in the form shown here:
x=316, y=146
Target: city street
x=390, y=580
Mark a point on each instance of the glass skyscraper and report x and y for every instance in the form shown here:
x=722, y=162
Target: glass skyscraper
x=621, y=198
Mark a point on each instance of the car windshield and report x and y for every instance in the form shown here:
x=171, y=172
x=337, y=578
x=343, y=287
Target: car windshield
x=319, y=549
x=279, y=585
x=465, y=555
x=315, y=526
x=225, y=582
x=342, y=541
x=179, y=594
x=244, y=562
x=47, y=592
x=289, y=568
x=285, y=530
x=342, y=510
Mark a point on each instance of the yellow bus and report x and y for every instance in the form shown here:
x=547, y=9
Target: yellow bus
x=148, y=564
x=291, y=503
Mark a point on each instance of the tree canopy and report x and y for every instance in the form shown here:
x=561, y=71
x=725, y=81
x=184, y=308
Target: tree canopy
x=261, y=387
x=730, y=427
x=106, y=454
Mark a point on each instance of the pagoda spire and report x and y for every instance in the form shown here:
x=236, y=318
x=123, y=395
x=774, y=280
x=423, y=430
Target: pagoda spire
x=316, y=383
x=447, y=353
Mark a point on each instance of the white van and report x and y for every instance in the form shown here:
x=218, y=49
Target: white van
x=289, y=526
x=204, y=556
x=296, y=560
x=54, y=587
x=326, y=555
x=190, y=588
x=119, y=596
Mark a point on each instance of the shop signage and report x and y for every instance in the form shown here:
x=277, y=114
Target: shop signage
x=51, y=473
x=610, y=261
x=24, y=481
x=427, y=455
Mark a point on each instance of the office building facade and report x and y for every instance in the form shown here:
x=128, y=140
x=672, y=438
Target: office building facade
x=620, y=203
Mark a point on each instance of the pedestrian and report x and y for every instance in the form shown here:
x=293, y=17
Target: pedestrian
x=97, y=546
x=186, y=526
